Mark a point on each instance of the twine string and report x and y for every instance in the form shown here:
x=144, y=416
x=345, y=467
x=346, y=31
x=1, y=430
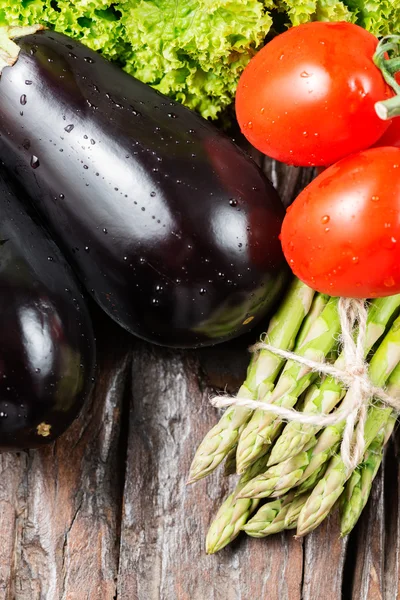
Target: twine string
x=354, y=377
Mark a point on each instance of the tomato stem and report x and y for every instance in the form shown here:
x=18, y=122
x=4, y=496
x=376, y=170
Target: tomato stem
x=387, y=59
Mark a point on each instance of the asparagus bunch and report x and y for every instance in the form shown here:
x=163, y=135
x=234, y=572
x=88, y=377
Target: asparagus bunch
x=262, y=372
x=298, y=465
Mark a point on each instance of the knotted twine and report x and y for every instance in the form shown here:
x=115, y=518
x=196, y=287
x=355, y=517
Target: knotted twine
x=354, y=377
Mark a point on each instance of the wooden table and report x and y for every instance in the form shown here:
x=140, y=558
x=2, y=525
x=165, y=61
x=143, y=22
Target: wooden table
x=105, y=513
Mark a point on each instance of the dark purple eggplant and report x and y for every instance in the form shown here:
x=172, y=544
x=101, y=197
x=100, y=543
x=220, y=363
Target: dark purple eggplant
x=171, y=227
x=47, y=349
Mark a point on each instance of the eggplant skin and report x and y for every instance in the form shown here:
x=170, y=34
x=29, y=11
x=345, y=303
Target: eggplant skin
x=171, y=227
x=47, y=352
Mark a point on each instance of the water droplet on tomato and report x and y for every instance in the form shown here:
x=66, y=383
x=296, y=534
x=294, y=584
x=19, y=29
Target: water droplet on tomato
x=355, y=259
x=250, y=125
x=327, y=229
x=389, y=243
x=325, y=219
x=375, y=198
x=389, y=282
x=262, y=110
x=304, y=74
x=305, y=133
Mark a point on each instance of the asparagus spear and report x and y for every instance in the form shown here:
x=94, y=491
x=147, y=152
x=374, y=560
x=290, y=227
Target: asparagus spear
x=356, y=492
x=233, y=513
x=293, y=512
x=262, y=372
x=230, y=462
x=311, y=481
x=278, y=479
x=385, y=360
x=296, y=435
x=358, y=487
x=276, y=516
x=264, y=426
x=270, y=518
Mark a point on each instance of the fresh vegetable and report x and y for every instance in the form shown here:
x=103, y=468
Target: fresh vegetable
x=291, y=89
x=261, y=374
x=172, y=228
x=358, y=487
x=301, y=469
x=391, y=137
x=323, y=398
x=192, y=50
x=47, y=347
x=342, y=233
x=293, y=471
x=264, y=427
x=234, y=511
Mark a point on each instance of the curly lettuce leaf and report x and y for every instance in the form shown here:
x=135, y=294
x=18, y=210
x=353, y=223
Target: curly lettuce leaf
x=302, y=11
x=193, y=50
x=94, y=22
x=380, y=17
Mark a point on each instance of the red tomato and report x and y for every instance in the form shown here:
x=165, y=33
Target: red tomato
x=307, y=98
x=391, y=137
x=341, y=235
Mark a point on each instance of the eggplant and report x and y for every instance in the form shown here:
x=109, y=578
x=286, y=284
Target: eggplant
x=47, y=352
x=171, y=227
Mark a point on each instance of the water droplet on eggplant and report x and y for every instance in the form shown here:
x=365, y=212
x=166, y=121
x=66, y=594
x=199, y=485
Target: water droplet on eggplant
x=35, y=163
x=69, y=128
x=23, y=99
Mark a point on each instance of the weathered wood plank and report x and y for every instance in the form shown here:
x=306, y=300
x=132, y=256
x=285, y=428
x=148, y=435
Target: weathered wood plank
x=368, y=560
x=12, y=469
x=164, y=521
x=60, y=505
x=392, y=520
x=324, y=558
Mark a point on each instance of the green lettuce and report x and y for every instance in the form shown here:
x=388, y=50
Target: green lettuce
x=192, y=50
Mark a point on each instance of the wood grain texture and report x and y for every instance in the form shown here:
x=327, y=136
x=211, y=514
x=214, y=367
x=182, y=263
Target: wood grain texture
x=324, y=558
x=164, y=521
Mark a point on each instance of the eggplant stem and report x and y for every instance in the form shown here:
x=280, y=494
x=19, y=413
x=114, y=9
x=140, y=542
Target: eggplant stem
x=9, y=50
